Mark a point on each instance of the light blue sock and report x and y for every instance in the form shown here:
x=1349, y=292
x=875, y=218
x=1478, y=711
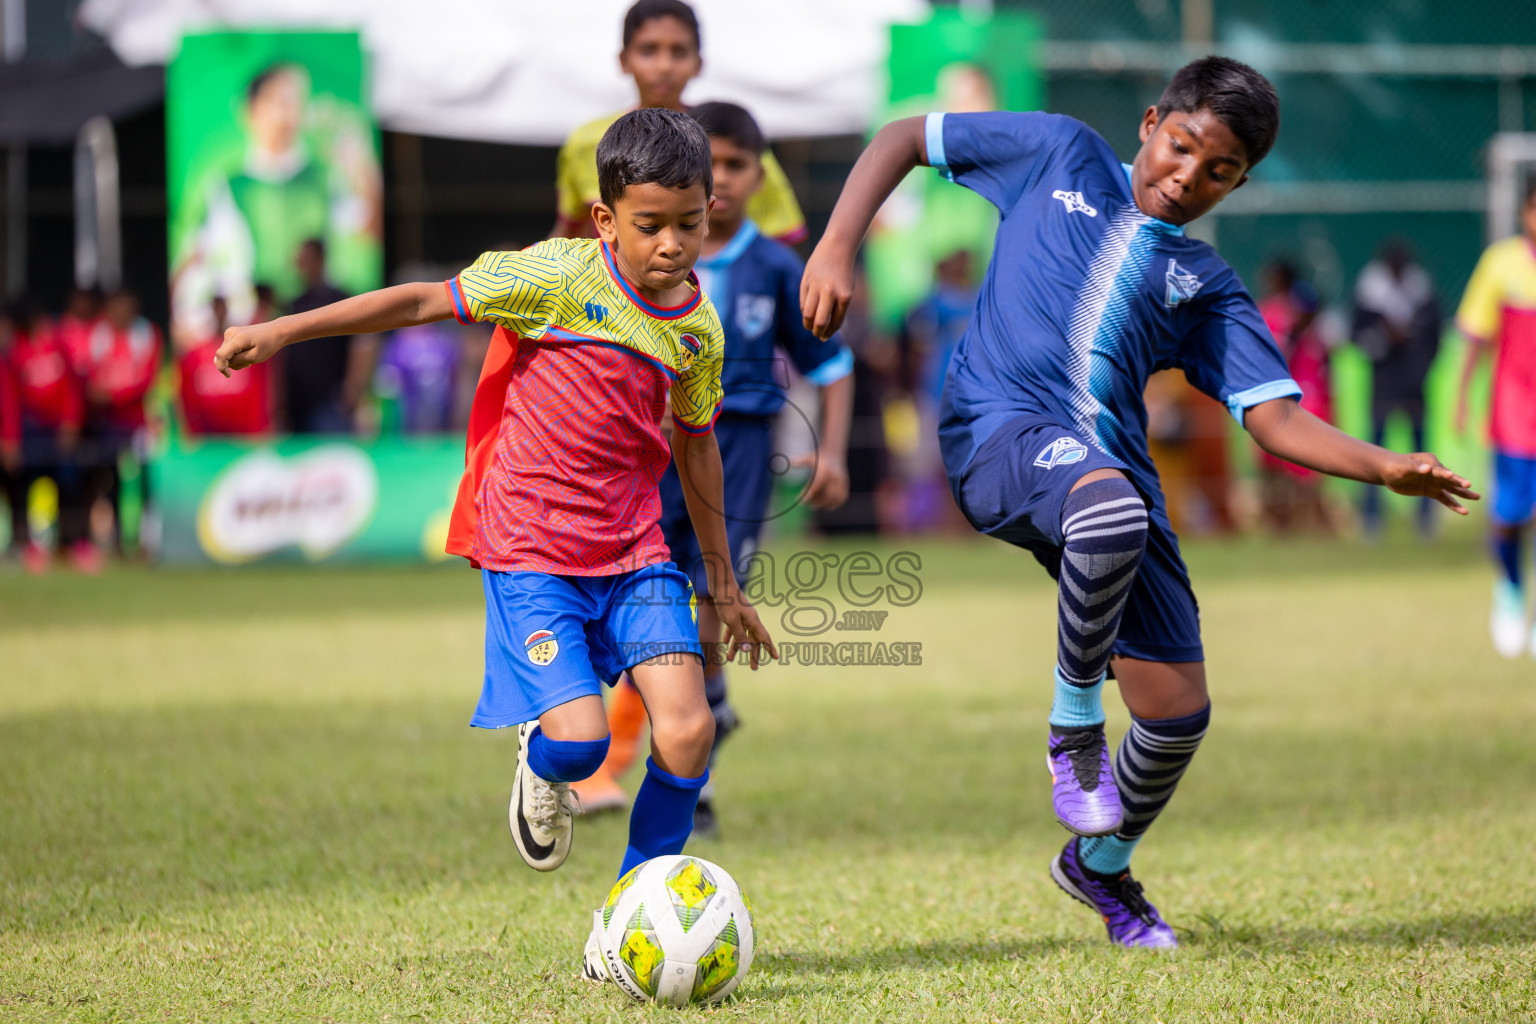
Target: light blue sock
x=1106, y=855
x=1077, y=706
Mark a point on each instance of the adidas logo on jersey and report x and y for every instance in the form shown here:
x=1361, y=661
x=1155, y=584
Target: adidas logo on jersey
x=1182, y=285
x=594, y=312
x=1061, y=452
x=1074, y=202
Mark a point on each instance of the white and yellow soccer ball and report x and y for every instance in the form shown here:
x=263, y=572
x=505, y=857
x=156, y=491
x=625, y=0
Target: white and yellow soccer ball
x=677, y=930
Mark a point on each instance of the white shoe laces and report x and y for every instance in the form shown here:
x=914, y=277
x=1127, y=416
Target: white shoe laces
x=551, y=801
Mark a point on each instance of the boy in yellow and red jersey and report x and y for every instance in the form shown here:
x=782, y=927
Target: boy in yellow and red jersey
x=662, y=53
x=1498, y=314
x=559, y=506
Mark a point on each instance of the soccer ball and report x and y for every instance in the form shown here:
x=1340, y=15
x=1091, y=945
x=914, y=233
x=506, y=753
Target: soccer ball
x=677, y=930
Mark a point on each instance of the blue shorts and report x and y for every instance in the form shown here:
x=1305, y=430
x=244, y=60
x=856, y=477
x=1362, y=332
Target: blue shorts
x=1014, y=488
x=550, y=639
x=746, y=453
x=1514, y=488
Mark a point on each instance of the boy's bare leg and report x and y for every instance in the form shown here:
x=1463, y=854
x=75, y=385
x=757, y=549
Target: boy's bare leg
x=682, y=729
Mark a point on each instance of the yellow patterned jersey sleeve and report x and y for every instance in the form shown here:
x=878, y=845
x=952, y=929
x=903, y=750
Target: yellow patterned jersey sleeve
x=517, y=290
x=697, y=392
x=775, y=208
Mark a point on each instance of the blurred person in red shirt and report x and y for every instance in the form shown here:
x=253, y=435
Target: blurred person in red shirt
x=213, y=404
x=52, y=408
x=80, y=315
x=1290, y=307
x=122, y=358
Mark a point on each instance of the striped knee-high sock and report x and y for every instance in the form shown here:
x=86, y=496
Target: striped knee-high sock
x=1151, y=760
x=1104, y=532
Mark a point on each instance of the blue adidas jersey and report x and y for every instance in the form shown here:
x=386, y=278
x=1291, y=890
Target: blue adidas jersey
x=1086, y=296
x=754, y=283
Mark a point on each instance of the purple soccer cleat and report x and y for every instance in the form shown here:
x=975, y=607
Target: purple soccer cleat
x=1129, y=918
x=1083, y=791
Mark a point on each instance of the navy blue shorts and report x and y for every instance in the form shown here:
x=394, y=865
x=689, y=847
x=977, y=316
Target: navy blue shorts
x=746, y=453
x=1014, y=488
x=1514, y=488
x=550, y=639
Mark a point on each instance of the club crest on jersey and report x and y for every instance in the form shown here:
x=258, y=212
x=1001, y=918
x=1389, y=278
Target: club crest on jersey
x=1182, y=285
x=1074, y=202
x=1061, y=452
x=687, y=351
x=754, y=314
x=542, y=645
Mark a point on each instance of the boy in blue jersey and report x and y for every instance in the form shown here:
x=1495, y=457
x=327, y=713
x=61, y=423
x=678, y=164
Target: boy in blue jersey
x=1093, y=287
x=754, y=281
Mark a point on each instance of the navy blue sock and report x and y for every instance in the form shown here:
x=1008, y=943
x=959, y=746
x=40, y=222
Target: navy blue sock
x=1506, y=552
x=565, y=760
x=663, y=815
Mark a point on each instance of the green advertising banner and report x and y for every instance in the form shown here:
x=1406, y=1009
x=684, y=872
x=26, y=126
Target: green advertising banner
x=308, y=500
x=955, y=62
x=270, y=143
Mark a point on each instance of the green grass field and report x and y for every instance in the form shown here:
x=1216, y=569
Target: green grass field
x=255, y=797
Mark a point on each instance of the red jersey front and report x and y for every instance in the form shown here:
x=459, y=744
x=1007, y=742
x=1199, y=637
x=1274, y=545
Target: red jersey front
x=121, y=365
x=215, y=404
x=565, y=448
x=50, y=391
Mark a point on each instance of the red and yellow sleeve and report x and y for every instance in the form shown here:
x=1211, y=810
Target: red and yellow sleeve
x=513, y=289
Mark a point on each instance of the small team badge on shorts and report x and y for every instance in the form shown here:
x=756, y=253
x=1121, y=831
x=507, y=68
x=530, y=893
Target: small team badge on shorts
x=542, y=646
x=1061, y=452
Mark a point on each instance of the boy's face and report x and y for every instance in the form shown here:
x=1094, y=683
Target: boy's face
x=738, y=176
x=1188, y=162
x=277, y=110
x=655, y=232
x=662, y=57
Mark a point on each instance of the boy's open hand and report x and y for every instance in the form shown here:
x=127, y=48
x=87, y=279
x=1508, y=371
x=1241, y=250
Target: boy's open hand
x=743, y=629
x=247, y=346
x=826, y=288
x=1420, y=475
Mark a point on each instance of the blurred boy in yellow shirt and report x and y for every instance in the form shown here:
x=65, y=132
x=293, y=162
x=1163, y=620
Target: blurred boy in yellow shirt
x=661, y=52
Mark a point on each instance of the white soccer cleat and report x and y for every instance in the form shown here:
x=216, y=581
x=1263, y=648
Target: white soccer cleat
x=593, y=967
x=540, y=812
x=1507, y=622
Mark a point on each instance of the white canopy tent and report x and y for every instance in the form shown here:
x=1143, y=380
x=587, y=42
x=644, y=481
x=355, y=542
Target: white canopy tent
x=528, y=71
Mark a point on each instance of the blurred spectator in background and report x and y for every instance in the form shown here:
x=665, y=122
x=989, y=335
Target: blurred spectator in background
x=875, y=365
x=933, y=330
x=211, y=403
x=325, y=379
x=1396, y=324
x=419, y=368
x=266, y=304
x=52, y=410
x=123, y=358
x=1293, y=495
x=81, y=312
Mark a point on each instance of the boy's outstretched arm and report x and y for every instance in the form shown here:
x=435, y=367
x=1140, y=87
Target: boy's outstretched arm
x=827, y=285
x=698, y=467
x=404, y=305
x=1284, y=429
